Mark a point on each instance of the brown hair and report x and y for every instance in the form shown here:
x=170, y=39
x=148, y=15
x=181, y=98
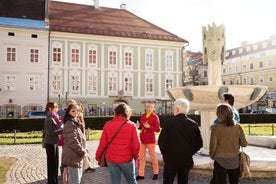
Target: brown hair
x=122, y=109
x=50, y=105
x=225, y=115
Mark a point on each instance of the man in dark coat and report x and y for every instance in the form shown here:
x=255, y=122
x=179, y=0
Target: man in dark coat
x=178, y=141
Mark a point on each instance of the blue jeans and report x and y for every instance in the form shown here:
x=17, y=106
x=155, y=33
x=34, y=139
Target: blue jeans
x=75, y=174
x=127, y=168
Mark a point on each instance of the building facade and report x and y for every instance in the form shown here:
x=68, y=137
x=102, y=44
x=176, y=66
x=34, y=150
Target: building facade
x=253, y=64
x=24, y=66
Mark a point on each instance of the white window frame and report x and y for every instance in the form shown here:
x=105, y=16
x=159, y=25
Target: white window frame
x=10, y=82
x=34, y=82
x=75, y=56
x=113, y=84
x=34, y=57
x=169, y=60
x=112, y=55
x=128, y=84
x=92, y=56
x=149, y=85
x=149, y=59
x=92, y=83
x=56, y=81
x=74, y=82
x=58, y=53
x=128, y=58
x=13, y=53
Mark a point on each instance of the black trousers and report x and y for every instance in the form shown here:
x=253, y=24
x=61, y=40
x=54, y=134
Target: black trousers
x=52, y=163
x=170, y=172
x=220, y=175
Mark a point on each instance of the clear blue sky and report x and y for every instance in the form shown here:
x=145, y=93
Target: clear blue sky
x=244, y=20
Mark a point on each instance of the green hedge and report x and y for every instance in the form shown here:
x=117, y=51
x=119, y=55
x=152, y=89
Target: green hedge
x=97, y=123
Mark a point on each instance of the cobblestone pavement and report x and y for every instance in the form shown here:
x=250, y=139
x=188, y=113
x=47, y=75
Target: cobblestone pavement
x=31, y=168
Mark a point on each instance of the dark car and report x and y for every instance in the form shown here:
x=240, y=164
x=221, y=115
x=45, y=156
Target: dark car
x=36, y=114
x=260, y=112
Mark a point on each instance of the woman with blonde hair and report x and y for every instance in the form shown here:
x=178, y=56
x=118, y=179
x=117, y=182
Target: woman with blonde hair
x=226, y=138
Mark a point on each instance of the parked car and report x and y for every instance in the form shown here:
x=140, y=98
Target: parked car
x=260, y=112
x=36, y=114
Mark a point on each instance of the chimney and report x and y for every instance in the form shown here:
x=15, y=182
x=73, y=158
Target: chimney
x=96, y=4
x=123, y=6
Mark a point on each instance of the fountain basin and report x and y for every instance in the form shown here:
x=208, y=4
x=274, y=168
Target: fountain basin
x=208, y=97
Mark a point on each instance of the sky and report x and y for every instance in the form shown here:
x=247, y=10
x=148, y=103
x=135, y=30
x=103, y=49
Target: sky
x=244, y=20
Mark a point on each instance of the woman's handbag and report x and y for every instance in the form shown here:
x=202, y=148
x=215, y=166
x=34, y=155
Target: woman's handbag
x=244, y=164
x=102, y=161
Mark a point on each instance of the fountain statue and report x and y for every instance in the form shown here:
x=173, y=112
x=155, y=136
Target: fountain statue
x=205, y=98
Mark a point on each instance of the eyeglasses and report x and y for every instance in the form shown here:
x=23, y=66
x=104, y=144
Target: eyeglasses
x=74, y=110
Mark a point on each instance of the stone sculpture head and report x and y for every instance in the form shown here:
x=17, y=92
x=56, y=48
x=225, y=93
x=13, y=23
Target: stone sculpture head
x=213, y=43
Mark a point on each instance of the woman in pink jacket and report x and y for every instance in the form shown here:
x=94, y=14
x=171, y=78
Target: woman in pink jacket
x=124, y=149
x=149, y=124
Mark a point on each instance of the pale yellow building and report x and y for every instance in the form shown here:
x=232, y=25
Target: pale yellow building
x=253, y=64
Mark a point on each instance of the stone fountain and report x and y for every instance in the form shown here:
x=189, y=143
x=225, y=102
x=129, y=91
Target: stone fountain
x=206, y=98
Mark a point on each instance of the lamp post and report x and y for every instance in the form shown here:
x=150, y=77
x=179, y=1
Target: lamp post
x=59, y=101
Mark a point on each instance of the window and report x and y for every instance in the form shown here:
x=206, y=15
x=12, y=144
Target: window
x=270, y=63
x=244, y=68
x=112, y=84
x=169, y=83
x=128, y=84
x=248, y=49
x=251, y=80
x=75, y=83
x=92, y=84
x=149, y=59
x=261, y=64
x=34, y=55
x=149, y=85
x=10, y=83
x=11, y=54
x=251, y=66
x=128, y=58
x=255, y=47
x=34, y=83
x=264, y=44
x=75, y=54
x=92, y=56
x=240, y=50
x=261, y=79
x=112, y=57
x=169, y=60
x=273, y=42
x=56, y=83
x=244, y=81
x=149, y=82
x=223, y=70
x=230, y=69
x=233, y=52
x=205, y=73
x=57, y=55
x=270, y=78
x=237, y=68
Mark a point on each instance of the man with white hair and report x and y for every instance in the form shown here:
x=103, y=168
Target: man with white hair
x=179, y=140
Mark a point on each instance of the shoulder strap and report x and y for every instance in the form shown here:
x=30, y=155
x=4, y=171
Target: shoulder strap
x=117, y=132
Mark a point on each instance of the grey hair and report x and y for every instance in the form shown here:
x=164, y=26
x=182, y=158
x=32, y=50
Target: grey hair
x=183, y=105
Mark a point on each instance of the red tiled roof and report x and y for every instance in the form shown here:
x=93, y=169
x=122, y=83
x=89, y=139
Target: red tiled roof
x=85, y=19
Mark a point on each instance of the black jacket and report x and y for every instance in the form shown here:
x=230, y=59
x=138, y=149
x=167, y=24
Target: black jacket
x=179, y=140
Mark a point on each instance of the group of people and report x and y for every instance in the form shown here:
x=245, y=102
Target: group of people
x=127, y=143
x=67, y=131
